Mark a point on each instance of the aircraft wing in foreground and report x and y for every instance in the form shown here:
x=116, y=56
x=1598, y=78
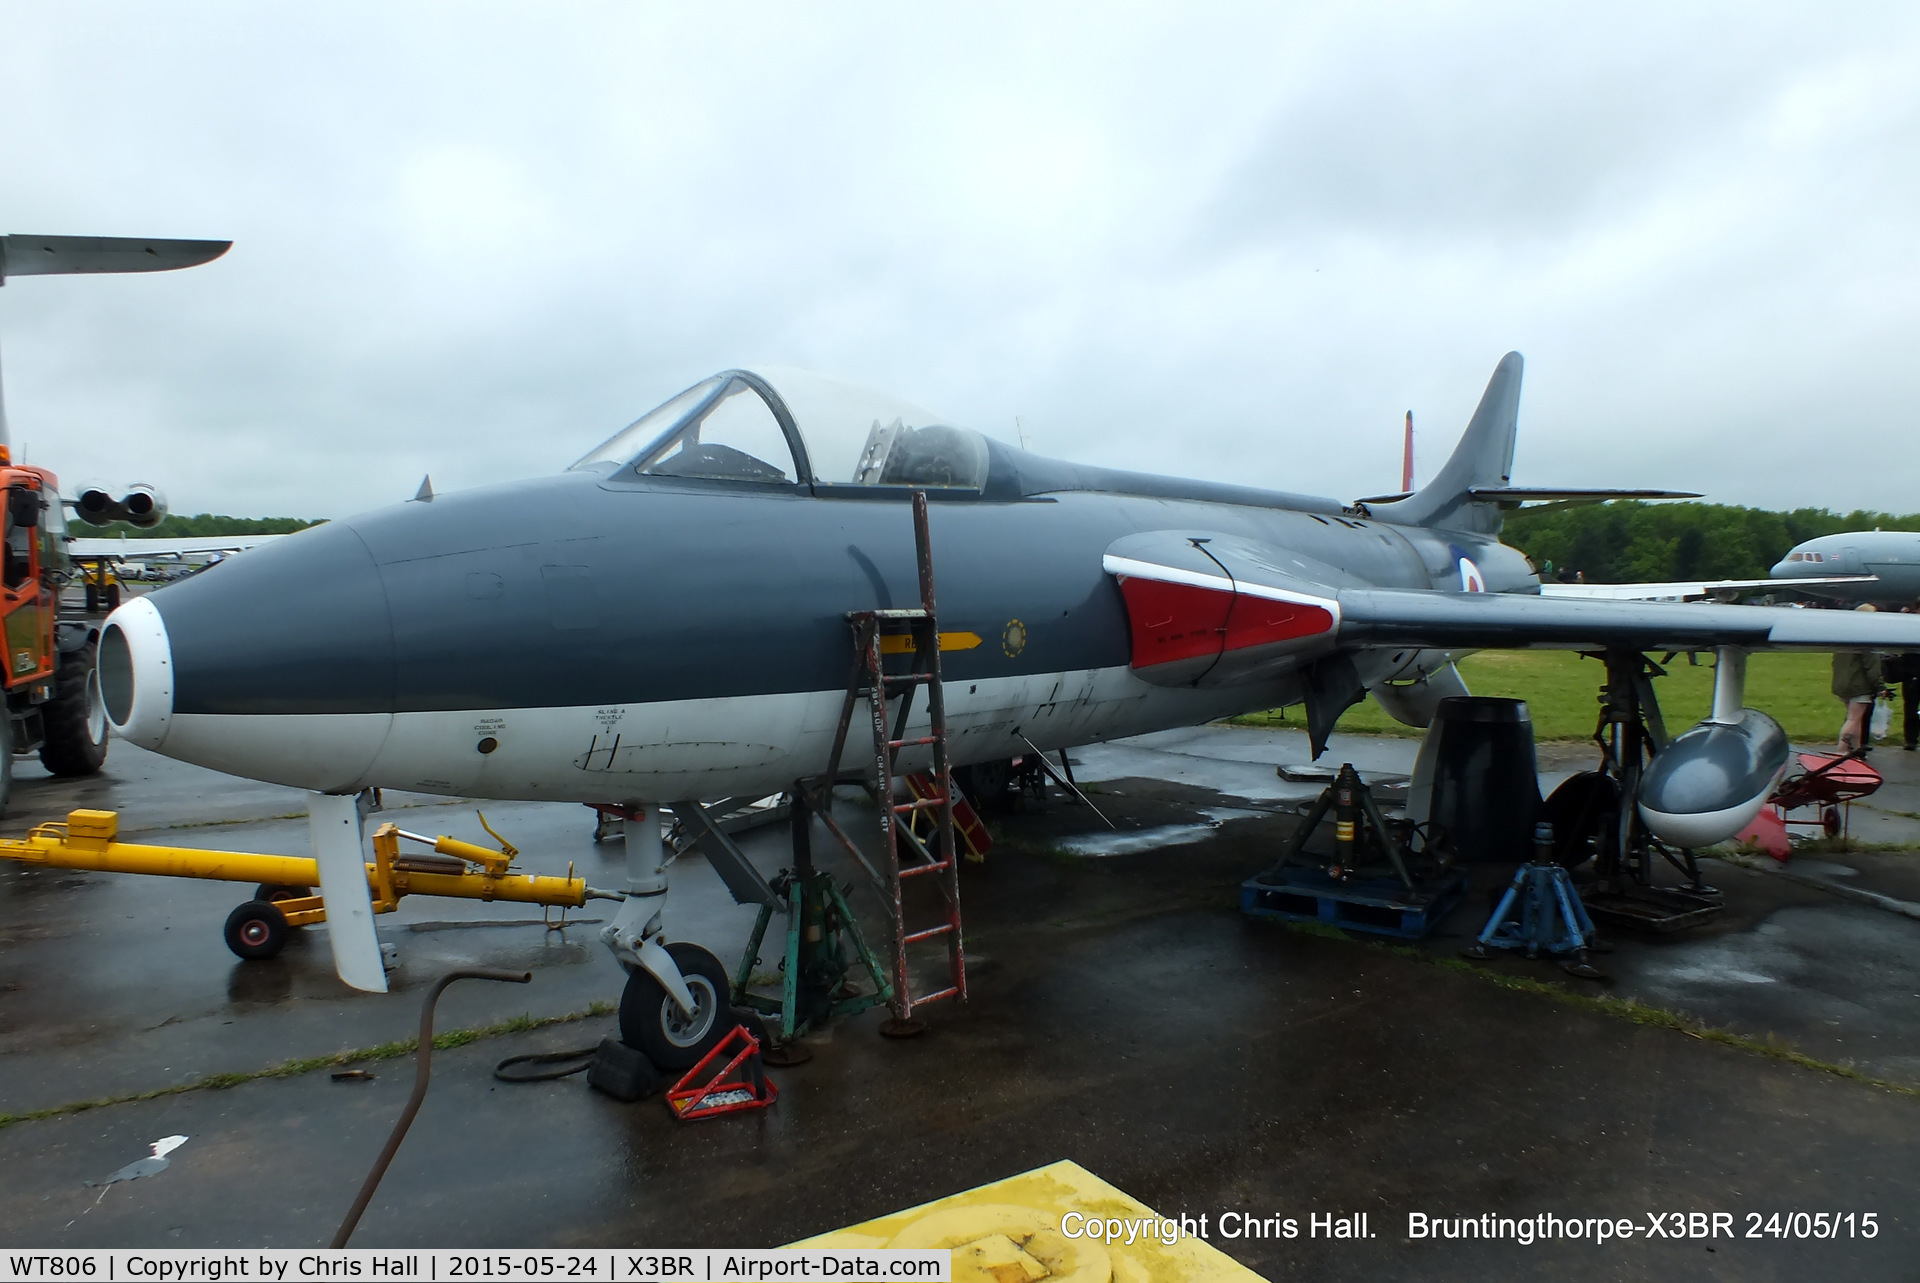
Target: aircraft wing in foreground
x=183, y=546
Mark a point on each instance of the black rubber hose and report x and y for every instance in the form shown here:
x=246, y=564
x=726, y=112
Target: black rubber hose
x=423, y=1069
x=545, y=1066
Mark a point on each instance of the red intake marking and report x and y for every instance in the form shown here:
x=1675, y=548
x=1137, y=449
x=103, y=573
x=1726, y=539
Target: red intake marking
x=1181, y=621
x=1174, y=621
x=1260, y=621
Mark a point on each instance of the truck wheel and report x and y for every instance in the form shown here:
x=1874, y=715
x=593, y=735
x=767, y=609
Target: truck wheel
x=256, y=930
x=75, y=718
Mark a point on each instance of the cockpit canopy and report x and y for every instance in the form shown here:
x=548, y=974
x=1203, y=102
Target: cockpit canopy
x=782, y=426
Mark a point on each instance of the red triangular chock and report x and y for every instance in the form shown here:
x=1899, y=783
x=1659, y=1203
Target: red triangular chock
x=742, y=1083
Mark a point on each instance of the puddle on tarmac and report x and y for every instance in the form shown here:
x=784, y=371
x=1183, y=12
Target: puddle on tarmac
x=1103, y=845
x=1823, y=868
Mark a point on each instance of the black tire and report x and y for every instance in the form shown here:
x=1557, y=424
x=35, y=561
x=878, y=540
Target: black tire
x=988, y=785
x=1581, y=810
x=273, y=893
x=650, y=1022
x=256, y=930
x=76, y=717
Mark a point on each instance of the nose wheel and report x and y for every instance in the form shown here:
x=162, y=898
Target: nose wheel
x=652, y=1022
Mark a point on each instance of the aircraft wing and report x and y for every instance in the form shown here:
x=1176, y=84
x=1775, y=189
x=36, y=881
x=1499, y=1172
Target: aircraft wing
x=1686, y=589
x=1219, y=609
x=147, y=549
x=1494, y=621
x=75, y=255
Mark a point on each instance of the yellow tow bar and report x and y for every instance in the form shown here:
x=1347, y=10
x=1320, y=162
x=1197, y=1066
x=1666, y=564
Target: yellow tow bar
x=462, y=870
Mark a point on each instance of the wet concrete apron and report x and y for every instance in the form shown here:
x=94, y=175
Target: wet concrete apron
x=1124, y=1015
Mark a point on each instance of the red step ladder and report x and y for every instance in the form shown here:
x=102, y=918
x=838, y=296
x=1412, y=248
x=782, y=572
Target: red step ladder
x=966, y=821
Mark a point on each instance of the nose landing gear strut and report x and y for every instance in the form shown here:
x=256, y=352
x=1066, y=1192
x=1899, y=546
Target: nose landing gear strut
x=675, y=1006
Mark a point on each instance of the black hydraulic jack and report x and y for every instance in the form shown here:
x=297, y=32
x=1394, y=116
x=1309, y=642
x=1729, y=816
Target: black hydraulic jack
x=1368, y=884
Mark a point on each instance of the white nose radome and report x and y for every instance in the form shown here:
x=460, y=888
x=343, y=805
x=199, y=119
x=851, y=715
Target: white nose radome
x=136, y=673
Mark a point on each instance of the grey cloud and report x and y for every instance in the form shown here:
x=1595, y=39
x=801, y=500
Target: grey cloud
x=1225, y=240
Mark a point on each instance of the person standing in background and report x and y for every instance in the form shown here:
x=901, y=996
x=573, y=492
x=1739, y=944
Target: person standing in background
x=1905, y=669
x=1857, y=681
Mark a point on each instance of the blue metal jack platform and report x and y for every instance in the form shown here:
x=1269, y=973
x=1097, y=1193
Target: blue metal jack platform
x=1541, y=913
x=1379, y=905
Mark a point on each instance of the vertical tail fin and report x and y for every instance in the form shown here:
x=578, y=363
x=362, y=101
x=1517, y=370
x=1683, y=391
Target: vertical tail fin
x=1484, y=457
x=1406, y=458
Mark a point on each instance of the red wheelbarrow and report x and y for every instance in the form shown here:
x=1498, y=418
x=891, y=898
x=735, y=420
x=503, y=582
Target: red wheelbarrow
x=1830, y=782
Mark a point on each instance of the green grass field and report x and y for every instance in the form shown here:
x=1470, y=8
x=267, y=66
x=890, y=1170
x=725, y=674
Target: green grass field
x=1562, y=692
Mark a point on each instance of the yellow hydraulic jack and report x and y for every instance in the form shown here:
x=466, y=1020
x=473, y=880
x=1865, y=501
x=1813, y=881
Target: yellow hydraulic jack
x=283, y=898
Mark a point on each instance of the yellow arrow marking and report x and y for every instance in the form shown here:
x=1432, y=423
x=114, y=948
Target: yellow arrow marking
x=901, y=644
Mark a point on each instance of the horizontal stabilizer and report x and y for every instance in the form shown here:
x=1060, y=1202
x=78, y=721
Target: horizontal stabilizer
x=1514, y=496
x=1546, y=494
x=76, y=255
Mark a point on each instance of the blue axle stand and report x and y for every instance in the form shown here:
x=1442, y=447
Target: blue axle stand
x=1541, y=913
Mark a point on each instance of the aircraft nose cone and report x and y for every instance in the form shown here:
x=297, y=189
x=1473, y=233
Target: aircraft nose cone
x=297, y=627
x=136, y=673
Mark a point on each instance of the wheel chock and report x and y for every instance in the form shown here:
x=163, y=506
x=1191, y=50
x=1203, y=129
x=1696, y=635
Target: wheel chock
x=741, y=1082
x=622, y=1072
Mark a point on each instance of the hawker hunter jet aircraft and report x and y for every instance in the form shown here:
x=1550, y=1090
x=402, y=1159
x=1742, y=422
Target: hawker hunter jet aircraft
x=667, y=620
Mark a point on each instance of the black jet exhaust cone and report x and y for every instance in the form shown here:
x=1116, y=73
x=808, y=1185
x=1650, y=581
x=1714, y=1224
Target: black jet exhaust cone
x=1477, y=782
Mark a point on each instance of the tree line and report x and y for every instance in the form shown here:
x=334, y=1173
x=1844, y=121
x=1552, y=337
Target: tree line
x=1625, y=542
x=177, y=526
x=1633, y=542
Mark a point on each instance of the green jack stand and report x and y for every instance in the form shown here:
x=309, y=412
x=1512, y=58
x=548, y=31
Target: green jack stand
x=821, y=931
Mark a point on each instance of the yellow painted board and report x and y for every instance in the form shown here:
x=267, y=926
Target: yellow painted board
x=1010, y=1232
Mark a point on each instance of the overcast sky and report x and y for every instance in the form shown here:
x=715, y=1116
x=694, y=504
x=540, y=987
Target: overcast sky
x=1230, y=242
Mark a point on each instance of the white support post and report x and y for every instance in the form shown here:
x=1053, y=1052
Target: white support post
x=338, y=845
x=637, y=934
x=1729, y=684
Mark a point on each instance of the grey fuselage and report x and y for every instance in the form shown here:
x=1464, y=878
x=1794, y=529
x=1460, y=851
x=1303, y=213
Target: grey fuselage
x=612, y=637
x=1892, y=556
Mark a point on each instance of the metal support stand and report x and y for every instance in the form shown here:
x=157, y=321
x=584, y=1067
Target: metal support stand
x=1369, y=885
x=1357, y=827
x=1630, y=732
x=1541, y=913
x=821, y=931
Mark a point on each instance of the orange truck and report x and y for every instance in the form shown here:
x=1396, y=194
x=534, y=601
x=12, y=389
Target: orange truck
x=51, y=683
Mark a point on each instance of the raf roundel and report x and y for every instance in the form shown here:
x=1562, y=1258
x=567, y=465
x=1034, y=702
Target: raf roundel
x=1471, y=580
